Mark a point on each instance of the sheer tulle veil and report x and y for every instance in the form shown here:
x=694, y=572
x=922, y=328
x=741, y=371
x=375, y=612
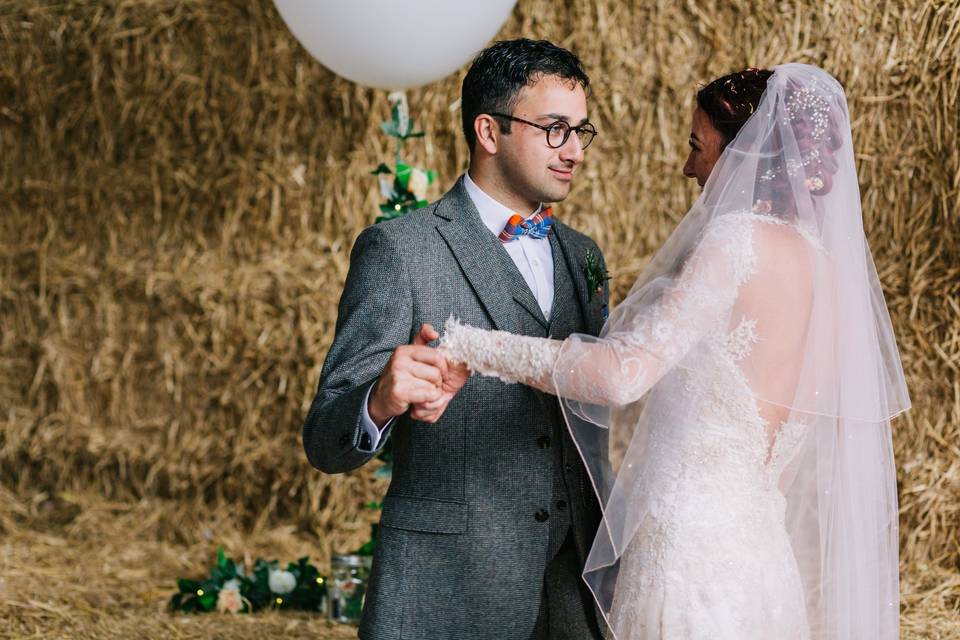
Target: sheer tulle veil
x=826, y=363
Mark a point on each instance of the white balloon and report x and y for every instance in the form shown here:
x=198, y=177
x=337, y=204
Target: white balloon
x=394, y=44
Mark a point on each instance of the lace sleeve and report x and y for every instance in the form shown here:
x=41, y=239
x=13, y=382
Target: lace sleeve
x=510, y=357
x=652, y=330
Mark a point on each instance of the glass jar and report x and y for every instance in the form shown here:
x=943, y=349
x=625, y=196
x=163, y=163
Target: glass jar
x=349, y=575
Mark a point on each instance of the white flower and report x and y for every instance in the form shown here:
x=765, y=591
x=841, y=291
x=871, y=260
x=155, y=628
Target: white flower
x=814, y=184
x=419, y=181
x=282, y=582
x=232, y=583
x=229, y=600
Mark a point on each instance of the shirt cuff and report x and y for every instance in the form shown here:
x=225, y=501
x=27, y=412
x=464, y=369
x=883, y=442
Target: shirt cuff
x=372, y=434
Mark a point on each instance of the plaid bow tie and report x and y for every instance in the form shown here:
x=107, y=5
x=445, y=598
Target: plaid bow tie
x=536, y=226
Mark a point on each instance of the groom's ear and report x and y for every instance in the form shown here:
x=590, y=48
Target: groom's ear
x=488, y=133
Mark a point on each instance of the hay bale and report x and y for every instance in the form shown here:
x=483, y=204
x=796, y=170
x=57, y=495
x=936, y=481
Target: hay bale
x=182, y=184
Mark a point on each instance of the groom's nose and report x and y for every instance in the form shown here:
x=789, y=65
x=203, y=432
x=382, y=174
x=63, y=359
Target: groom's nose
x=572, y=150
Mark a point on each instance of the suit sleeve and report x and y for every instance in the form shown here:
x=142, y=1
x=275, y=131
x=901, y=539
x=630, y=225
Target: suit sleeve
x=374, y=317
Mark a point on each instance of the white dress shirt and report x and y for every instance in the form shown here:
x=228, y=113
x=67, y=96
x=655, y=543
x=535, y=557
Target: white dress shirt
x=534, y=260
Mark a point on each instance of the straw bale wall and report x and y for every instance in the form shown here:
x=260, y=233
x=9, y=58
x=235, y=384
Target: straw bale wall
x=180, y=186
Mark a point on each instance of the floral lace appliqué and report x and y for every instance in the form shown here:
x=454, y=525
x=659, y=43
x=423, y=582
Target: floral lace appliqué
x=740, y=341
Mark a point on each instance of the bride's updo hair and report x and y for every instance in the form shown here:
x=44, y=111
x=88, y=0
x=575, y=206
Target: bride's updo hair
x=731, y=100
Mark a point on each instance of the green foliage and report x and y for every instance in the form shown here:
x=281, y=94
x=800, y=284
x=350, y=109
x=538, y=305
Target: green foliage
x=405, y=193
x=400, y=126
x=595, y=274
x=309, y=594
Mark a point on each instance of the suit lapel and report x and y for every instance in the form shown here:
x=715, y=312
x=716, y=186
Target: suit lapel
x=563, y=246
x=488, y=267
x=565, y=316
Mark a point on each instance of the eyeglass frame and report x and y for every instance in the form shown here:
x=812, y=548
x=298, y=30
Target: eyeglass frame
x=546, y=129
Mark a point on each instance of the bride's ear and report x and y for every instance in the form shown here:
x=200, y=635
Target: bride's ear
x=488, y=133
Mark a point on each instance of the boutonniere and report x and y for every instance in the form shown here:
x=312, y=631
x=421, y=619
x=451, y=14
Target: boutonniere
x=595, y=274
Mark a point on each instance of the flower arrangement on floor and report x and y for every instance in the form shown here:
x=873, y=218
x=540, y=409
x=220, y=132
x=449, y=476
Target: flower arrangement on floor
x=230, y=589
x=407, y=190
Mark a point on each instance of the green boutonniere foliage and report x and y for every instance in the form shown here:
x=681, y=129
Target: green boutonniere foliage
x=595, y=274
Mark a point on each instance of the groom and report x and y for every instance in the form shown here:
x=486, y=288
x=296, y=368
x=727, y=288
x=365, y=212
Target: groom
x=490, y=513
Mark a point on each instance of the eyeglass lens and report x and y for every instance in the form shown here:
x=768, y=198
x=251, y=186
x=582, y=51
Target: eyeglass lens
x=559, y=133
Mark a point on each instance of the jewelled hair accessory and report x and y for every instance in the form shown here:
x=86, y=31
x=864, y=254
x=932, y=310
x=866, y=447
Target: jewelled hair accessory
x=808, y=103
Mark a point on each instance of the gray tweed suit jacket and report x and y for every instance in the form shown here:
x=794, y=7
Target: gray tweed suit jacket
x=480, y=501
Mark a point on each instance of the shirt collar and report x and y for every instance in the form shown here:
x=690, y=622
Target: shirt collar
x=493, y=214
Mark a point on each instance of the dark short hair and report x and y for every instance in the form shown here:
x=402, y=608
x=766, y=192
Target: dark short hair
x=730, y=100
x=500, y=71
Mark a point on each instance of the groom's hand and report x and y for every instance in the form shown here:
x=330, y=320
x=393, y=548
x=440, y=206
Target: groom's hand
x=457, y=376
x=454, y=378
x=414, y=375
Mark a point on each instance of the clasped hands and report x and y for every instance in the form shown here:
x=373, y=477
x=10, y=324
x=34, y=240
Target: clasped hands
x=417, y=378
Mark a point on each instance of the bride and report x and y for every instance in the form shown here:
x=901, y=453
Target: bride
x=735, y=411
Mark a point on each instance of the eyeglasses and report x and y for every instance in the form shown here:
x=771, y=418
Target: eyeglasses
x=559, y=132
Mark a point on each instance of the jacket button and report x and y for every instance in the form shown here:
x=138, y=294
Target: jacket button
x=568, y=468
x=344, y=440
x=542, y=515
x=543, y=442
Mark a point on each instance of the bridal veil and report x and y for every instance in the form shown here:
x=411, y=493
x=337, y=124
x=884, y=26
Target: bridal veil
x=819, y=359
